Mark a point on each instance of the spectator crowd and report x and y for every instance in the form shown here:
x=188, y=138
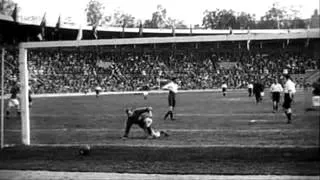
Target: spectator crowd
x=66, y=71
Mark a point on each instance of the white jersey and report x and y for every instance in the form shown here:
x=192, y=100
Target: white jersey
x=250, y=86
x=98, y=88
x=276, y=87
x=224, y=86
x=171, y=86
x=289, y=87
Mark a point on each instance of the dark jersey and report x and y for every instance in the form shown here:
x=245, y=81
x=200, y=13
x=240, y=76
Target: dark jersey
x=258, y=88
x=135, y=117
x=14, y=91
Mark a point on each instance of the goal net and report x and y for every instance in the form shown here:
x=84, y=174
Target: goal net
x=63, y=80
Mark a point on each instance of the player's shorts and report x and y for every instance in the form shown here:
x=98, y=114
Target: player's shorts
x=172, y=99
x=13, y=103
x=224, y=89
x=276, y=96
x=250, y=90
x=147, y=121
x=287, y=101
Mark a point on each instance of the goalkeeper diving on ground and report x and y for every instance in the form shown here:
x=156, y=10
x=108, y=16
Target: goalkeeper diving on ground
x=143, y=118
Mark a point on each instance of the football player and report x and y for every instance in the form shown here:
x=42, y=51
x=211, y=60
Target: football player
x=275, y=90
x=173, y=90
x=143, y=118
x=289, y=91
x=224, y=89
x=14, y=102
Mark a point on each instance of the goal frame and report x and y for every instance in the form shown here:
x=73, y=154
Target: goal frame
x=25, y=46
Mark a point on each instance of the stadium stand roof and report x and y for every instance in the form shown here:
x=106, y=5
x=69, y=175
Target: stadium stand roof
x=14, y=32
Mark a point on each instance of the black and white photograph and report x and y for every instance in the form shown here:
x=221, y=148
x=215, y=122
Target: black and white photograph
x=159, y=89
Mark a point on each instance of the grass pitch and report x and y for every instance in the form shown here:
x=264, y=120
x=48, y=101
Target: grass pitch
x=212, y=135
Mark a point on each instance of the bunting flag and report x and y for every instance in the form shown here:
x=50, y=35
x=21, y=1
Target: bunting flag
x=140, y=30
x=15, y=13
x=173, y=31
x=79, y=36
x=57, y=29
x=123, y=31
x=288, y=41
x=261, y=45
x=239, y=45
x=42, y=33
x=248, y=44
x=230, y=30
x=95, y=32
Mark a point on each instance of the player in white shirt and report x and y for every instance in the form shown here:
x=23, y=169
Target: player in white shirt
x=289, y=91
x=98, y=89
x=275, y=90
x=173, y=90
x=250, y=88
x=224, y=89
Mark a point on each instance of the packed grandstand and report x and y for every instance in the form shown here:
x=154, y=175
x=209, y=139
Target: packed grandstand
x=203, y=65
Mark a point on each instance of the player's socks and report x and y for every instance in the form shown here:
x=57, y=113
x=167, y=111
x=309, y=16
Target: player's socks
x=171, y=115
x=167, y=114
x=289, y=117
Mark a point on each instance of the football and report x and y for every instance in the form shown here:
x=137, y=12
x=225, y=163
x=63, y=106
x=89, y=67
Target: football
x=84, y=150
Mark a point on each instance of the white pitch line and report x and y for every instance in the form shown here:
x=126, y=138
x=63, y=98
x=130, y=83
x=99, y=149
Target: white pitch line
x=232, y=114
x=55, y=175
x=178, y=114
x=169, y=130
x=126, y=143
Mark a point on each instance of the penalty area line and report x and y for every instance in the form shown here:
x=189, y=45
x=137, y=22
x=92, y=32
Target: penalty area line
x=121, y=144
x=169, y=130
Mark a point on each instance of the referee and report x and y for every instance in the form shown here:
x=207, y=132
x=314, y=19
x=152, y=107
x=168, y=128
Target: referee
x=275, y=90
x=289, y=90
x=173, y=90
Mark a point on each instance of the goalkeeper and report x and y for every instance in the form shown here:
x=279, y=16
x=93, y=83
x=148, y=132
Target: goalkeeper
x=143, y=118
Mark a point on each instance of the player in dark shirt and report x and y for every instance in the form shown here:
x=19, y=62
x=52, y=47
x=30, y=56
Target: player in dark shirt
x=143, y=118
x=257, y=90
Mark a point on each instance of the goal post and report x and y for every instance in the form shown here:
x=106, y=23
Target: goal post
x=24, y=79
